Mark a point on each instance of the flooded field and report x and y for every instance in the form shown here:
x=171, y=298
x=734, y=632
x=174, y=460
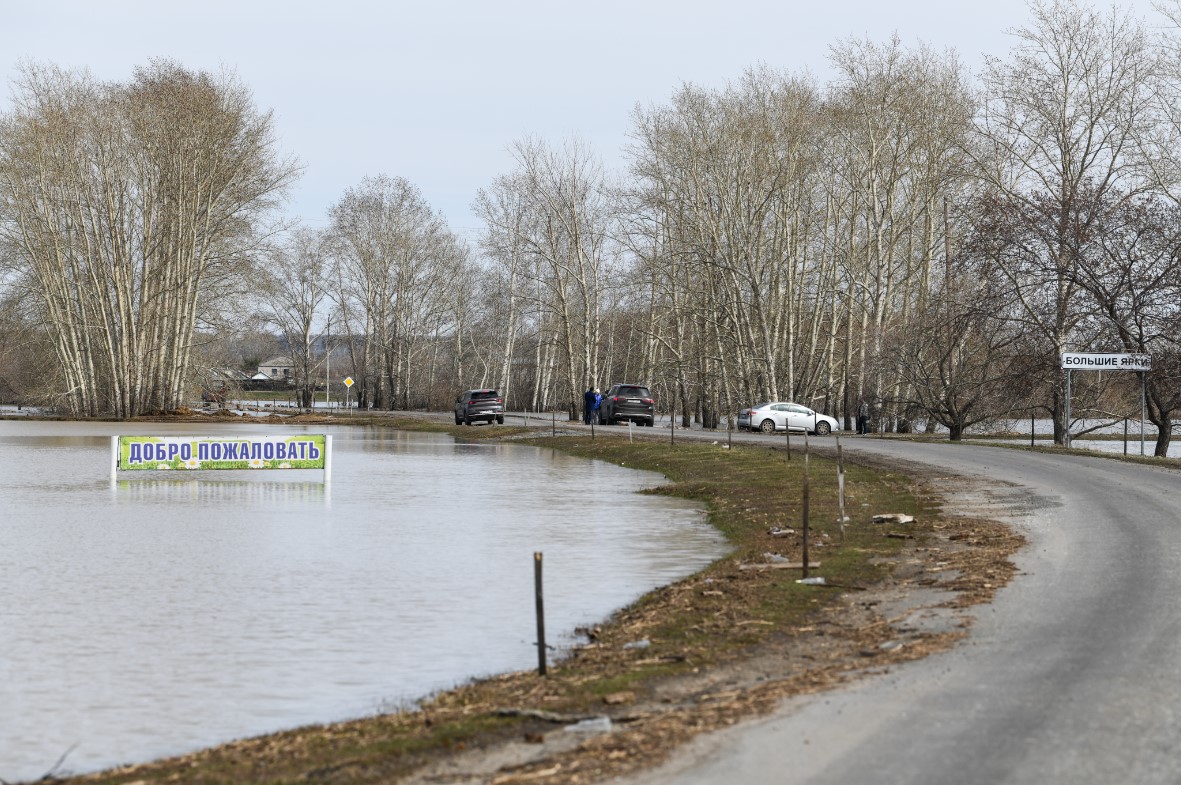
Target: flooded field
x=171, y=611
x=1115, y=437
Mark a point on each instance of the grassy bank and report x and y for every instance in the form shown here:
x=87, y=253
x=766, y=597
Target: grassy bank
x=740, y=606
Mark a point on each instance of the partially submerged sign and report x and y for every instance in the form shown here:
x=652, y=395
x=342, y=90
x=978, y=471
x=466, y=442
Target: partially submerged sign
x=201, y=453
x=1086, y=361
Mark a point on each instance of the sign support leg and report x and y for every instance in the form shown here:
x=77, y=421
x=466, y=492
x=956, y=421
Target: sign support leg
x=1066, y=436
x=327, y=459
x=1141, y=413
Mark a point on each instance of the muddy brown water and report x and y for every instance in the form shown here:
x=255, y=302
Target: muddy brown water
x=164, y=613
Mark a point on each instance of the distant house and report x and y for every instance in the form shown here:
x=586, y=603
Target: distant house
x=280, y=367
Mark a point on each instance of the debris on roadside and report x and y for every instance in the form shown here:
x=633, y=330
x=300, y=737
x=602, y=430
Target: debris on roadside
x=591, y=725
x=783, y=565
x=619, y=698
x=894, y=517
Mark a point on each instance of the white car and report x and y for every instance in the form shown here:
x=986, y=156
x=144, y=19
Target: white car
x=783, y=415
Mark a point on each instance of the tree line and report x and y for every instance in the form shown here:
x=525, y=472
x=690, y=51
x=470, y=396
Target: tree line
x=905, y=233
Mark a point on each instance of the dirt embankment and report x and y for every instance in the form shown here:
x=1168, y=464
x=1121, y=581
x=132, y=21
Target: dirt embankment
x=728, y=643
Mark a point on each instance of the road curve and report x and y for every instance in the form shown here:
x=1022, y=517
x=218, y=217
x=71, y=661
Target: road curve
x=1073, y=674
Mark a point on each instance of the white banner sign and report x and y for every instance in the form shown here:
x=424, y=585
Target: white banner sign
x=1078, y=361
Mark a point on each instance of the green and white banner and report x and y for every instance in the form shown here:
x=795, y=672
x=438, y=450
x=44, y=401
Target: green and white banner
x=156, y=453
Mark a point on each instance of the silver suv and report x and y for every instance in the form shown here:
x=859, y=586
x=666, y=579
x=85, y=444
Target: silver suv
x=471, y=405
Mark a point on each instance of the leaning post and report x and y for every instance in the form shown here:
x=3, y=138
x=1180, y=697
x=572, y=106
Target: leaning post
x=841, y=487
x=804, y=554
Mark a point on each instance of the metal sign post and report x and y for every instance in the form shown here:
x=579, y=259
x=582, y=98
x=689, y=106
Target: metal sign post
x=348, y=388
x=1141, y=412
x=1066, y=436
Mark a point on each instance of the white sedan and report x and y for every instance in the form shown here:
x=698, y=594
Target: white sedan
x=782, y=415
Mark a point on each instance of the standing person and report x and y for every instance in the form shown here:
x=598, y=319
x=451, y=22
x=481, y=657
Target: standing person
x=598, y=402
x=862, y=417
x=590, y=402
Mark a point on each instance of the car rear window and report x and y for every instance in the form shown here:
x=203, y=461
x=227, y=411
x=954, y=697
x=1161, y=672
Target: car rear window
x=635, y=392
x=479, y=395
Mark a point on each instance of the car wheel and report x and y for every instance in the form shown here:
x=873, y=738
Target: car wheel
x=767, y=426
x=500, y=419
x=467, y=420
x=458, y=421
x=823, y=429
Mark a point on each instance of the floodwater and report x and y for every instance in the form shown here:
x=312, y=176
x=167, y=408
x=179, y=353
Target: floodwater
x=1113, y=434
x=171, y=611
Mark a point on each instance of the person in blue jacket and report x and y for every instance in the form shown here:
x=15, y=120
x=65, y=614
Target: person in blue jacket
x=598, y=403
x=590, y=403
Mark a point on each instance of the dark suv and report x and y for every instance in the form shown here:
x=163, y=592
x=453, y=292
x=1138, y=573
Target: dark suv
x=628, y=402
x=479, y=405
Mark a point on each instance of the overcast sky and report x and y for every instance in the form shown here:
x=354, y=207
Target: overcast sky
x=435, y=91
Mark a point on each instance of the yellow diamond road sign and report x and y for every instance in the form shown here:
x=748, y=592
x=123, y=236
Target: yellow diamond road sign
x=348, y=381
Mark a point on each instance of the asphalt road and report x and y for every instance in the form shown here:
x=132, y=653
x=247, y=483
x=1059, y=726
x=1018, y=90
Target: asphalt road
x=1073, y=675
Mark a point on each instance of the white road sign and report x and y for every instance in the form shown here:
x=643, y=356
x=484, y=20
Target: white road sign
x=1081, y=361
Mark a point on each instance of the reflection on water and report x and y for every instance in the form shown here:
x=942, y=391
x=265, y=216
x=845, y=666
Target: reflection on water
x=221, y=492
x=168, y=612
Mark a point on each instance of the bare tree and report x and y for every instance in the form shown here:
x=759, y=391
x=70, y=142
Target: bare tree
x=959, y=356
x=780, y=228
x=296, y=289
x=1131, y=269
x=398, y=268
x=553, y=222
x=129, y=209
x=1067, y=122
x=504, y=209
